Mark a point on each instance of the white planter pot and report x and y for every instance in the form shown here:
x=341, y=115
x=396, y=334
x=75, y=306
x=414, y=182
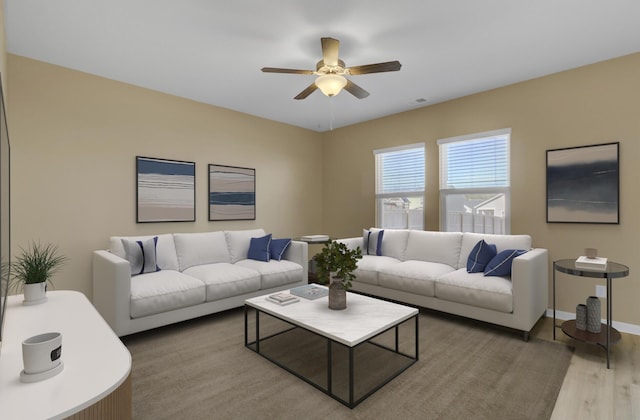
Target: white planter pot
x=35, y=293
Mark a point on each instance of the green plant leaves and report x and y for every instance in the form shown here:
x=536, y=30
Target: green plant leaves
x=337, y=260
x=37, y=263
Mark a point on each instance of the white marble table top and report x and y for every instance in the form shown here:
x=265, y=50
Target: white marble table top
x=364, y=317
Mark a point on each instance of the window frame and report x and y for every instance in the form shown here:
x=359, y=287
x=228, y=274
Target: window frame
x=444, y=193
x=379, y=197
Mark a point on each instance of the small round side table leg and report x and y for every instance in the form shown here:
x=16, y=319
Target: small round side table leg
x=609, y=306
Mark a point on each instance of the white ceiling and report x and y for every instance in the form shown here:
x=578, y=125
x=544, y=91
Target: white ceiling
x=212, y=51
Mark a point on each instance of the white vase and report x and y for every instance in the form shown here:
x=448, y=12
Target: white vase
x=35, y=293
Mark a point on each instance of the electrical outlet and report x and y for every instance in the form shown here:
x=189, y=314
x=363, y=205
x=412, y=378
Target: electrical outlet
x=601, y=291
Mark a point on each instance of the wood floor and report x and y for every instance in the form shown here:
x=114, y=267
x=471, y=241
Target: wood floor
x=590, y=390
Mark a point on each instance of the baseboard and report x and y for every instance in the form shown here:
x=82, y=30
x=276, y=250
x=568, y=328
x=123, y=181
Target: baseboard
x=620, y=326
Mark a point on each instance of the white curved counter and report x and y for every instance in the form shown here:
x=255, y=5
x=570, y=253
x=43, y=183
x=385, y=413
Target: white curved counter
x=95, y=381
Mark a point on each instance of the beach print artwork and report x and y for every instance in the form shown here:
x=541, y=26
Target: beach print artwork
x=232, y=193
x=583, y=184
x=165, y=190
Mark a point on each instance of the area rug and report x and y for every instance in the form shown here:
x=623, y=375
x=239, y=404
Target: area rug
x=200, y=369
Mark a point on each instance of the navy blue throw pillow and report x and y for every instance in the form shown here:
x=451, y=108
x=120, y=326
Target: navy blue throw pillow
x=480, y=256
x=500, y=265
x=259, y=248
x=277, y=248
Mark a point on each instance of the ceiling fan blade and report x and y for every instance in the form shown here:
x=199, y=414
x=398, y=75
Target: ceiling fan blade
x=308, y=91
x=374, y=68
x=278, y=70
x=355, y=90
x=330, y=49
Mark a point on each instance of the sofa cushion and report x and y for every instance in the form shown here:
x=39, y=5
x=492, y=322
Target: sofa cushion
x=165, y=249
x=141, y=255
x=413, y=276
x=200, y=248
x=372, y=241
x=480, y=256
x=370, y=265
x=259, y=248
x=502, y=242
x=438, y=247
x=394, y=243
x=224, y=280
x=274, y=273
x=500, y=265
x=475, y=289
x=238, y=242
x=278, y=247
x=164, y=291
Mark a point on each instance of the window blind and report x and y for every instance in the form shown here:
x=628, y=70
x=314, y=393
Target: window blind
x=474, y=163
x=400, y=170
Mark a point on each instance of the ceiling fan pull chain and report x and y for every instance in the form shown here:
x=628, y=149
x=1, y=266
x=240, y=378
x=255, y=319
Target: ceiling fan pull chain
x=330, y=113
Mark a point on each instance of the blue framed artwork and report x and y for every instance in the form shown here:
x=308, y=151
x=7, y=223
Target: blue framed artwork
x=232, y=193
x=166, y=190
x=583, y=184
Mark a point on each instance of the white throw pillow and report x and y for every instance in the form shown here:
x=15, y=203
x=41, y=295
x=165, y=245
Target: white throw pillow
x=372, y=241
x=141, y=255
x=165, y=249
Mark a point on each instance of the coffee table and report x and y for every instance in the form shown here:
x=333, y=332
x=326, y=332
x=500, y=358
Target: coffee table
x=347, y=354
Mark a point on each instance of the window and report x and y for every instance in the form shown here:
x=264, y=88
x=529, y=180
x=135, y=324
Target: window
x=400, y=187
x=474, y=183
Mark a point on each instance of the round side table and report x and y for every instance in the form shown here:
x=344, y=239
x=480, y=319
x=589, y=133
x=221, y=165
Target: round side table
x=608, y=335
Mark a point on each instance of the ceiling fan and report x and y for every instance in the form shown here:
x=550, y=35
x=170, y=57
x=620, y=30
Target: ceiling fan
x=331, y=72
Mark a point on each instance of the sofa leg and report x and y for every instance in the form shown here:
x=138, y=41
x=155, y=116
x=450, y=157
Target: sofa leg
x=526, y=336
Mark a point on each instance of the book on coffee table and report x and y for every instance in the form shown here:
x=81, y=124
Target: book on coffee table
x=310, y=291
x=282, y=298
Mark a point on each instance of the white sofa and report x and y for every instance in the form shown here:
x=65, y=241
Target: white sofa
x=199, y=274
x=429, y=269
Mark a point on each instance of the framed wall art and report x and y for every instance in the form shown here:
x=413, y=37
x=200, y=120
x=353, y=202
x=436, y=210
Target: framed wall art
x=583, y=184
x=166, y=190
x=232, y=193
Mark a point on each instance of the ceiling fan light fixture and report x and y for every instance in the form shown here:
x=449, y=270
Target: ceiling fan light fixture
x=331, y=84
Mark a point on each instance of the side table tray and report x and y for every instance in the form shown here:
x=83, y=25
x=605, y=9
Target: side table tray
x=609, y=335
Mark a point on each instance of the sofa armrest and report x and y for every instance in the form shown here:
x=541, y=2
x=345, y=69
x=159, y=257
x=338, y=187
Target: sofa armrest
x=530, y=282
x=298, y=252
x=112, y=289
x=352, y=243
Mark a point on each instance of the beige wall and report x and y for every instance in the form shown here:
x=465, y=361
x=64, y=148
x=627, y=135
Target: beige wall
x=589, y=105
x=74, y=140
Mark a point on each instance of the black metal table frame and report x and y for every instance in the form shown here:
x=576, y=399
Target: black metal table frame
x=593, y=274
x=351, y=403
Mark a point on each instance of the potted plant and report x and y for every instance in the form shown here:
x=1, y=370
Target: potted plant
x=336, y=265
x=33, y=268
